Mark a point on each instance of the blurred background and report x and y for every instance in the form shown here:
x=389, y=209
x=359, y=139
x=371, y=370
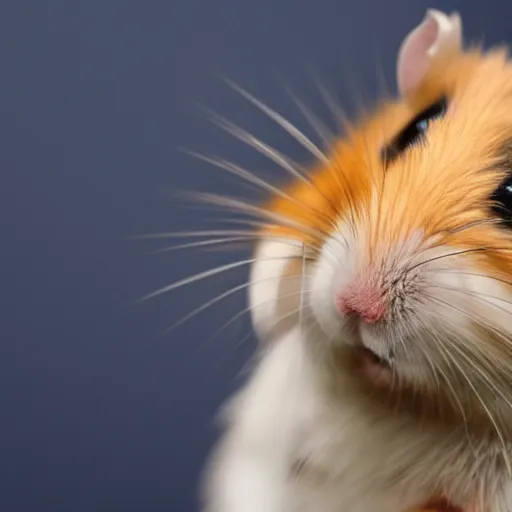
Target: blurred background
x=102, y=408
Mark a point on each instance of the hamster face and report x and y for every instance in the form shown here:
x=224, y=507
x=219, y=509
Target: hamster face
x=408, y=248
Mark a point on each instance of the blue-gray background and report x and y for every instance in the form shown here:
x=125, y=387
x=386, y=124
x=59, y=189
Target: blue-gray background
x=98, y=410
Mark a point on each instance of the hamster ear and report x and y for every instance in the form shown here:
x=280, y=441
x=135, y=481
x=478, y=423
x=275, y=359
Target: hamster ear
x=437, y=35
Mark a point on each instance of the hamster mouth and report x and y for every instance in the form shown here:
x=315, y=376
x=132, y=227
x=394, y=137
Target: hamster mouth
x=372, y=368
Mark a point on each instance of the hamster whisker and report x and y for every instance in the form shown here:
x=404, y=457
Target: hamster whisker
x=429, y=361
x=320, y=235
x=479, y=397
x=423, y=351
x=251, y=140
x=317, y=236
x=340, y=116
x=447, y=379
x=303, y=274
x=205, y=243
x=208, y=273
x=470, y=343
x=283, y=123
x=402, y=327
x=234, y=318
x=227, y=232
x=272, y=326
x=476, y=223
x=286, y=163
x=224, y=295
x=482, y=321
x=249, y=235
x=237, y=170
x=474, y=294
x=293, y=240
x=259, y=212
x=492, y=386
x=486, y=359
x=320, y=128
x=482, y=403
x=238, y=235
x=193, y=234
x=380, y=78
x=342, y=122
x=328, y=140
x=487, y=365
x=457, y=253
x=475, y=274
x=251, y=331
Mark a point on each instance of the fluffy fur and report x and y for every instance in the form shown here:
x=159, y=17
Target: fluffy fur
x=307, y=433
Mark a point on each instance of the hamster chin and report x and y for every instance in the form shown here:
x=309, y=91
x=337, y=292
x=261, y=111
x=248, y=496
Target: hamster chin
x=419, y=324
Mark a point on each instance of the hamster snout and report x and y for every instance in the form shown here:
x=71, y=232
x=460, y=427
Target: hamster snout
x=410, y=309
x=361, y=300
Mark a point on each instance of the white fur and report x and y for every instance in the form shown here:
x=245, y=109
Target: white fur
x=281, y=415
x=264, y=299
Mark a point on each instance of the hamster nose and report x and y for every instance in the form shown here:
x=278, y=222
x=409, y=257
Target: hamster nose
x=363, y=301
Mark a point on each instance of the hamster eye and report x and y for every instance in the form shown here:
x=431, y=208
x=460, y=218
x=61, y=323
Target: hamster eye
x=414, y=131
x=502, y=201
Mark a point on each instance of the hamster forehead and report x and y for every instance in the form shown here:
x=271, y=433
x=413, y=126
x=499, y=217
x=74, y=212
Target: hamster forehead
x=435, y=186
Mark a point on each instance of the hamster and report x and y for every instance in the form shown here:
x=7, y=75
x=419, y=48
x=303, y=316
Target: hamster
x=381, y=293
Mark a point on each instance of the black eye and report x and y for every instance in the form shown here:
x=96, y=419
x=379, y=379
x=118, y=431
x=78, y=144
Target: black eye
x=502, y=201
x=414, y=131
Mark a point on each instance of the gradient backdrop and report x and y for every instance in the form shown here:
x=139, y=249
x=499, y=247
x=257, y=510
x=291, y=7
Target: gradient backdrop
x=100, y=410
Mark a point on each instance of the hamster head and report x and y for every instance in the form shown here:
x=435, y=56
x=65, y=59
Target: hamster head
x=399, y=243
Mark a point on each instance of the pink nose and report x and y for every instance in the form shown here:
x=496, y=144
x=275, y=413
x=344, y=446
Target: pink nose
x=363, y=301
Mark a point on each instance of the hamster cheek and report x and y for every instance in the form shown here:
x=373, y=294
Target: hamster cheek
x=491, y=300
x=473, y=298
x=331, y=270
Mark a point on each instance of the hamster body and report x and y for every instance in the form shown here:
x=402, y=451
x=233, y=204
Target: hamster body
x=382, y=293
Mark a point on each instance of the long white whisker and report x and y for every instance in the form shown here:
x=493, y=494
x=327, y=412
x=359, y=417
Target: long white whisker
x=482, y=402
x=228, y=233
x=236, y=170
x=441, y=351
x=457, y=253
x=284, y=123
x=239, y=171
x=274, y=324
x=204, y=243
x=483, y=359
x=337, y=112
x=193, y=234
x=306, y=230
x=495, y=389
x=262, y=303
x=474, y=294
x=481, y=321
x=206, y=274
x=262, y=213
x=320, y=128
x=290, y=240
x=476, y=274
x=303, y=273
x=271, y=153
x=318, y=235
x=223, y=295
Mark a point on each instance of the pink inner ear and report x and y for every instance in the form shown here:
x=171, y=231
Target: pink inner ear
x=414, y=58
